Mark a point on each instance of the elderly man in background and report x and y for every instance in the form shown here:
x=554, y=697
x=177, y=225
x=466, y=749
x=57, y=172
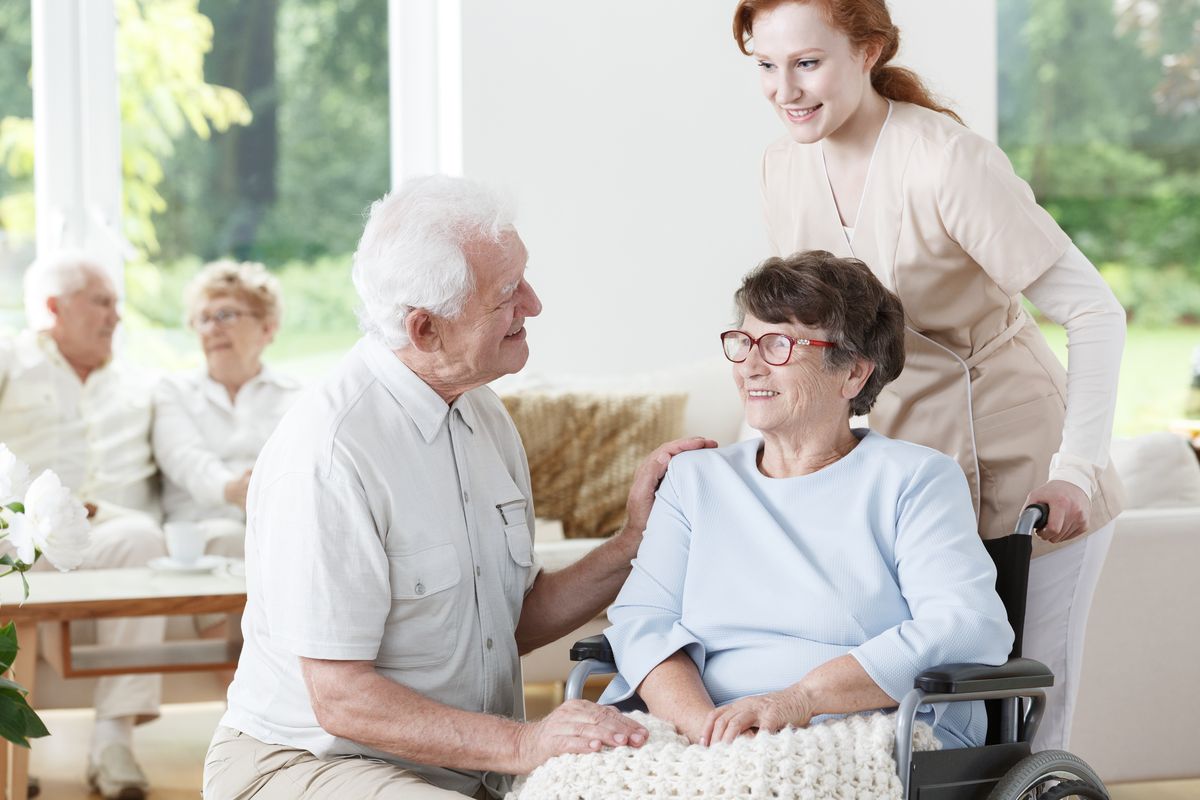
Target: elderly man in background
x=66, y=406
x=392, y=581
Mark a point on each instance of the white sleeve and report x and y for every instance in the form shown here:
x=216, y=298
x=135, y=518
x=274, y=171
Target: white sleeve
x=180, y=449
x=1074, y=295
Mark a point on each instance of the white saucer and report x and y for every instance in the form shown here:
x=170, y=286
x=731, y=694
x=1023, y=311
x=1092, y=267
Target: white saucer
x=201, y=564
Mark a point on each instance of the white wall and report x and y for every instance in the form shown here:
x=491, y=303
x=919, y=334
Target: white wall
x=630, y=134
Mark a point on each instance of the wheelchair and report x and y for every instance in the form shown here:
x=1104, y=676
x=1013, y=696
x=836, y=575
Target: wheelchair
x=1004, y=768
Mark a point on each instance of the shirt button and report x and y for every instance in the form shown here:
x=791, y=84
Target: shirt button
x=478, y=571
x=489, y=643
x=466, y=497
x=420, y=588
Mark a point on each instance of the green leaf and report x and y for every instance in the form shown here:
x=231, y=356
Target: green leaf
x=17, y=507
x=12, y=717
x=8, y=646
x=34, y=727
x=5, y=683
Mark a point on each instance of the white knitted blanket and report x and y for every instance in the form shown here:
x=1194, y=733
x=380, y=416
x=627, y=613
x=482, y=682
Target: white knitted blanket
x=848, y=758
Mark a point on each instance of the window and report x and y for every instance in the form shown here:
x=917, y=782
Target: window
x=270, y=151
x=16, y=160
x=1099, y=109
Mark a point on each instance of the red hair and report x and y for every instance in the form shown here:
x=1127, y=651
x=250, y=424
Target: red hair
x=865, y=23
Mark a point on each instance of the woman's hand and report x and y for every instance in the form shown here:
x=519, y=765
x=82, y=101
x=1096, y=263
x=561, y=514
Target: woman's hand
x=765, y=712
x=236, y=489
x=1070, y=509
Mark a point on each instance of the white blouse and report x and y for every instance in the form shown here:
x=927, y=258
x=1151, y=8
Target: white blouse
x=202, y=440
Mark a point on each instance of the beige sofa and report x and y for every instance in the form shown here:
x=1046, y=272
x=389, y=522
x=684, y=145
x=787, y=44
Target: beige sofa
x=1139, y=699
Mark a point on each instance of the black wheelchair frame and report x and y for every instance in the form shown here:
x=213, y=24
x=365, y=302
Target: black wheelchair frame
x=1004, y=768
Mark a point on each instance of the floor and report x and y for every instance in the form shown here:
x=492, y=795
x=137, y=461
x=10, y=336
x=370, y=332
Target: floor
x=171, y=750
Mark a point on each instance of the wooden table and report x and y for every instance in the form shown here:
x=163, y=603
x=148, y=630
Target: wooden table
x=95, y=594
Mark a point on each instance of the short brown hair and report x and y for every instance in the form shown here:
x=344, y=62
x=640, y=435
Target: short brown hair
x=840, y=296
x=246, y=280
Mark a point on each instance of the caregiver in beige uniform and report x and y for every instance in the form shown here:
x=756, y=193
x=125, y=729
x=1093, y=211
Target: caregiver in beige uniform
x=872, y=168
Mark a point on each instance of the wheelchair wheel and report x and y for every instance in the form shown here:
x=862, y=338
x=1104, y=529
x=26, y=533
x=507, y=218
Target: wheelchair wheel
x=1050, y=775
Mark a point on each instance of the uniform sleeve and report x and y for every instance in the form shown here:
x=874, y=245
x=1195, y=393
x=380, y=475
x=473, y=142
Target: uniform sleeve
x=646, y=626
x=992, y=214
x=327, y=593
x=1074, y=295
x=180, y=449
x=948, y=581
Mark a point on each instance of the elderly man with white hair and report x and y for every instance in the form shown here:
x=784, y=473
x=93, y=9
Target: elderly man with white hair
x=66, y=405
x=391, y=578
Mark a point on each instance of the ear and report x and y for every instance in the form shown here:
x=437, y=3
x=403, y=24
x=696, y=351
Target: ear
x=270, y=329
x=53, y=305
x=871, y=55
x=423, y=331
x=860, y=371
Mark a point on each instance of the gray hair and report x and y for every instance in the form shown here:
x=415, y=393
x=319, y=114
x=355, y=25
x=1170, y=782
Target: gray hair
x=57, y=274
x=247, y=281
x=411, y=251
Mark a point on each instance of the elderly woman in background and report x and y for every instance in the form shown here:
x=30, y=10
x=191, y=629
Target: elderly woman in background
x=819, y=569
x=210, y=424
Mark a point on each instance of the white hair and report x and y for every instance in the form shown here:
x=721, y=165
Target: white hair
x=411, y=251
x=58, y=274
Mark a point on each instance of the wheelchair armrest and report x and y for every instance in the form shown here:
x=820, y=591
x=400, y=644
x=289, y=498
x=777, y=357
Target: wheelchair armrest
x=596, y=647
x=1018, y=673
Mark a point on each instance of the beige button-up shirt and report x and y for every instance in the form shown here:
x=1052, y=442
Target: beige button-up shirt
x=385, y=525
x=203, y=440
x=94, y=434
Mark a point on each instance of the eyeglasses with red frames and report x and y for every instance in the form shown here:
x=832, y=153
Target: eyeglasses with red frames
x=775, y=348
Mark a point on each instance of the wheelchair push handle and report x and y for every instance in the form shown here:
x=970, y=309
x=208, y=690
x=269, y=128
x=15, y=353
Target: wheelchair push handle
x=1033, y=518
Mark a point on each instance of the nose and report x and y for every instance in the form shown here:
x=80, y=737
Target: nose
x=530, y=304
x=753, y=365
x=786, y=87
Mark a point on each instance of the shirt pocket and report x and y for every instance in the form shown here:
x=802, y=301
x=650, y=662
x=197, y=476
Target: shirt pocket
x=518, y=541
x=422, y=625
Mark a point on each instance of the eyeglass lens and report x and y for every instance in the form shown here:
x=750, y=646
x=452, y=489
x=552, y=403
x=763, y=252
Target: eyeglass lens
x=774, y=347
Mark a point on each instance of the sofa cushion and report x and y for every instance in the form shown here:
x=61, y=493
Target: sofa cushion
x=583, y=449
x=1159, y=470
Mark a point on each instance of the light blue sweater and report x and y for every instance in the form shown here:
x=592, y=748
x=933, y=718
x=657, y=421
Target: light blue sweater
x=760, y=580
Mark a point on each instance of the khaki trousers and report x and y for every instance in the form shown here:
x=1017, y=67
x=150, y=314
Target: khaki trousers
x=240, y=767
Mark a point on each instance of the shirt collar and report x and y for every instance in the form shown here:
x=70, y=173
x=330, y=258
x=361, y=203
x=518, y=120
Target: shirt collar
x=43, y=341
x=425, y=406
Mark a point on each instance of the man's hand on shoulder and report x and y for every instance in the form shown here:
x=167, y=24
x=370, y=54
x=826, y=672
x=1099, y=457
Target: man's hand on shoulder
x=649, y=475
x=577, y=726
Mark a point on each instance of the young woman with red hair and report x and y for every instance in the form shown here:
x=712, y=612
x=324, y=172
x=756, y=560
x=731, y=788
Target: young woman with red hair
x=872, y=167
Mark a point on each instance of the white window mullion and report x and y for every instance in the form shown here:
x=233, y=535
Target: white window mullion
x=76, y=119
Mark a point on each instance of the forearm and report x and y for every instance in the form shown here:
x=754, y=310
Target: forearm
x=365, y=707
x=1072, y=294
x=674, y=691
x=842, y=686
x=561, y=601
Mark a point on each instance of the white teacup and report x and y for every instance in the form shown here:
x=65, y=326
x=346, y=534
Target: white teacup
x=185, y=541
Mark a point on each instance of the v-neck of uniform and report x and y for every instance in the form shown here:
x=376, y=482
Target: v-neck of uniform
x=848, y=230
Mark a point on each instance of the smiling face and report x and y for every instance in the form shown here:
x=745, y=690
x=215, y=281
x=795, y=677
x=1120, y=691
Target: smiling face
x=85, y=321
x=487, y=339
x=788, y=398
x=811, y=74
x=232, y=334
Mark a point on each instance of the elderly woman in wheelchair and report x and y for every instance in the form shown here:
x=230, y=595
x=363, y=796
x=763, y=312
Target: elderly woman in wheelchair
x=818, y=570
x=822, y=570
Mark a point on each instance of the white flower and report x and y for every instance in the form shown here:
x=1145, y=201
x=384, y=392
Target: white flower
x=14, y=475
x=19, y=534
x=57, y=521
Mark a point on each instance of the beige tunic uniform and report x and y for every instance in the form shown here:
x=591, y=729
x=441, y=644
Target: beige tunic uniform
x=948, y=226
